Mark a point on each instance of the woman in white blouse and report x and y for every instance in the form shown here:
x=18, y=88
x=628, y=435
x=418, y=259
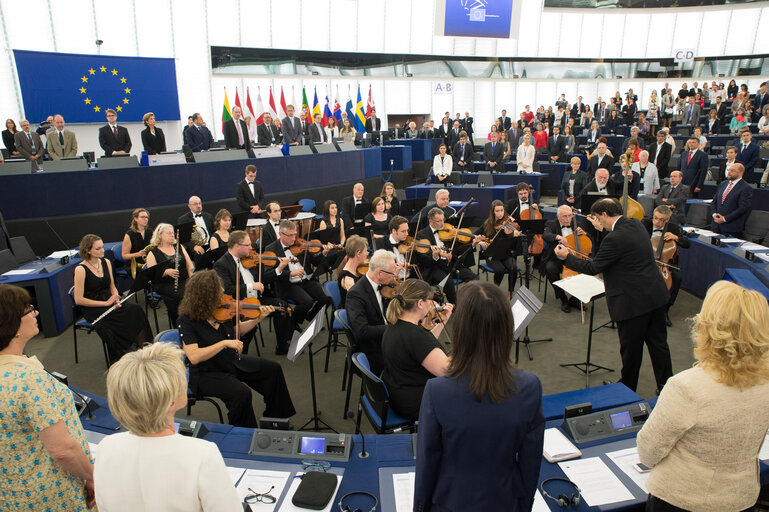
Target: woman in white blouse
x=763, y=123
x=151, y=466
x=332, y=130
x=442, y=165
x=702, y=438
x=526, y=155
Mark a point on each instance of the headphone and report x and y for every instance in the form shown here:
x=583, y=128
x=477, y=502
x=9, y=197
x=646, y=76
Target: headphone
x=562, y=500
x=348, y=509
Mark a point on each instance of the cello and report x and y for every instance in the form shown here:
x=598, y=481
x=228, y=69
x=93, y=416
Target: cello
x=630, y=207
x=537, y=243
x=578, y=245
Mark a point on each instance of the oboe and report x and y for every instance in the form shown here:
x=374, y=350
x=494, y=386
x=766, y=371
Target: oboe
x=176, y=263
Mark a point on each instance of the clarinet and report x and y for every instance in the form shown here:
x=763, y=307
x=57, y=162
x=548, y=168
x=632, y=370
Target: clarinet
x=176, y=263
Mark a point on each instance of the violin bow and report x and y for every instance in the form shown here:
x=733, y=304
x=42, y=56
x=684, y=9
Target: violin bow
x=237, y=301
x=414, y=240
x=456, y=233
x=260, y=255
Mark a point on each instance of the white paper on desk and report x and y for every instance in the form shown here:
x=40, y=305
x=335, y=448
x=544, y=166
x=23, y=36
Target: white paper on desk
x=287, y=506
x=235, y=474
x=260, y=481
x=557, y=445
x=582, y=286
x=704, y=232
x=256, y=222
x=750, y=246
x=19, y=272
x=763, y=454
x=61, y=254
x=455, y=203
x=732, y=241
x=403, y=486
x=707, y=201
x=540, y=505
x=625, y=459
x=597, y=483
x=763, y=256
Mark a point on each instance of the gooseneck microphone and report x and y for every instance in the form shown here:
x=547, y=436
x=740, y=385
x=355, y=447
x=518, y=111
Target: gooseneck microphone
x=363, y=453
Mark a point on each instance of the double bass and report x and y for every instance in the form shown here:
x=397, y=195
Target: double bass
x=665, y=251
x=630, y=207
x=537, y=242
x=578, y=245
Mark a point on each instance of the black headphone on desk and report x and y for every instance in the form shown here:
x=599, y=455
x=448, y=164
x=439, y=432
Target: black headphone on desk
x=348, y=509
x=562, y=499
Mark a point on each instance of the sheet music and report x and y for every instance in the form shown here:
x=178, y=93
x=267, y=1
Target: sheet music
x=287, y=506
x=519, y=314
x=625, y=459
x=582, y=286
x=260, y=481
x=403, y=485
x=598, y=484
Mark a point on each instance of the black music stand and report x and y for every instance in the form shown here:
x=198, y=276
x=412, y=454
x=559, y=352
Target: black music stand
x=145, y=275
x=530, y=228
x=240, y=220
x=525, y=307
x=185, y=231
x=326, y=236
x=502, y=247
x=208, y=258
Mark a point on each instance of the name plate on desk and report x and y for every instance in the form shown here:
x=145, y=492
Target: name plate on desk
x=267, y=152
x=301, y=445
x=609, y=423
x=167, y=159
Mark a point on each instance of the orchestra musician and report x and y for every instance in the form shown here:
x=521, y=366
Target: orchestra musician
x=492, y=231
x=249, y=193
x=171, y=286
x=556, y=231
x=271, y=228
x=138, y=237
x=411, y=354
x=203, y=222
x=392, y=204
x=125, y=328
x=356, y=251
x=399, y=231
x=636, y=294
x=660, y=223
x=332, y=220
x=442, y=202
x=222, y=224
x=520, y=203
x=218, y=366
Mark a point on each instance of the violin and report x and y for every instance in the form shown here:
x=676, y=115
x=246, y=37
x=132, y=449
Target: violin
x=449, y=232
x=665, y=251
x=250, y=308
x=433, y=318
x=537, y=242
x=312, y=246
x=362, y=268
x=422, y=246
x=388, y=290
x=268, y=259
x=507, y=224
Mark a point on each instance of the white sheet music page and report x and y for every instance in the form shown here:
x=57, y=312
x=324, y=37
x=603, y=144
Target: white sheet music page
x=403, y=485
x=763, y=454
x=582, y=286
x=625, y=460
x=597, y=483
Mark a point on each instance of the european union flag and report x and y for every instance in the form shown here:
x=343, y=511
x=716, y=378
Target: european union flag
x=82, y=87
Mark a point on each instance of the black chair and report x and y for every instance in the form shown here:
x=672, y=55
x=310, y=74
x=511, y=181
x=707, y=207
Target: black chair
x=756, y=226
x=375, y=401
x=85, y=325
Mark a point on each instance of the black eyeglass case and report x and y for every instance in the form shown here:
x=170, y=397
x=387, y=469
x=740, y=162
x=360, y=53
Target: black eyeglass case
x=315, y=490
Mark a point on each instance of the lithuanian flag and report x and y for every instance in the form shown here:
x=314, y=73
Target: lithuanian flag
x=226, y=113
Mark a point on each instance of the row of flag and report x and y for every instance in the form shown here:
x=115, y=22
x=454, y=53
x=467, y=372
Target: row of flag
x=355, y=113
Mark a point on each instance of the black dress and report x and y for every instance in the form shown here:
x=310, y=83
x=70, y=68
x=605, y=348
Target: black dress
x=395, y=206
x=126, y=328
x=334, y=256
x=9, y=142
x=165, y=286
x=502, y=266
x=222, y=243
x=342, y=274
x=380, y=227
x=404, y=347
x=231, y=379
x=139, y=242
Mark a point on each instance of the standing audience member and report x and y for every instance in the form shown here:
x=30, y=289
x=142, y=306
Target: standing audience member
x=153, y=140
x=29, y=145
x=114, y=139
x=197, y=136
x=9, y=137
x=732, y=203
x=59, y=142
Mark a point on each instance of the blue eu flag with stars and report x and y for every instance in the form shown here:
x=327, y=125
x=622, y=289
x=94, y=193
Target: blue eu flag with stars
x=82, y=87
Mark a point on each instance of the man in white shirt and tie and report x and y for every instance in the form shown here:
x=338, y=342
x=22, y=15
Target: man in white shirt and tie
x=29, y=144
x=272, y=226
x=317, y=131
x=236, y=132
x=349, y=204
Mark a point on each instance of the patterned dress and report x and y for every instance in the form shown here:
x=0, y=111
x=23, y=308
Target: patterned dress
x=31, y=400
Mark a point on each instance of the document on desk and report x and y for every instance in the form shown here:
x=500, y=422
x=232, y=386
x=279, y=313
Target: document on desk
x=732, y=240
x=763, y=454
x=557, y=446
x=625, y=459
x=261, y=481
x=60, y=254
x=20, y=272
x=403, y=485
x=235, y=474
x=287, y=506
x=597, y=483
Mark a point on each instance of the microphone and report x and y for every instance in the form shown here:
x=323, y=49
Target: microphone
x=65, y=259
x=363, y=453
x=85, y=401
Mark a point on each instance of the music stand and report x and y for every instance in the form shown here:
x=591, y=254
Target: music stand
x=524, y=306
x=410, y=207
x=326, y=236
x=240, y=220
x=361, y=210
x=145, y=275
x=530, y=228
x=289, y=212
x=586, y=288
x=208, y=258
x=185, y=231
x=499, y=249
x=300, y=342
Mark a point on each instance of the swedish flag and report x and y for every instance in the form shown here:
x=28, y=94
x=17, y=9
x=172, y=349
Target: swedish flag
x=360, y=118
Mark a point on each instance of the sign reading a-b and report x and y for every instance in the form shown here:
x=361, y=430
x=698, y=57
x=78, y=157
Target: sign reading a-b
x=684, y=55
x=443, y=88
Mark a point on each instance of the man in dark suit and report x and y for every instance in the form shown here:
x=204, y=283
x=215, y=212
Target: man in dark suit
x=660, y=225
x=556, y=146
x=747, y=153
x=271, y=228
x=601, y=159
x=659, y=154
x=292, y=280
x=305, y=126
x=348, y=207
x=226, y=267
x=556, y=231
x=693, y=164
x=366, y=308
x=732, y=203
x=469, y=126
x=317, y=131
x=442, y=200
x=453, y=136
x=731, y=159
x=462, y=154
x=249, y=193
x=236, y=132
x=292, y=128
x=636, y=294
x=720, y=109
x=373, y=123
x=760, y=102
x=29, y=144
x=114, y=139
x=505, y=121
x=443, y=130
x=520, y=202
x=493, y=153
x=674, y=196
x=197, y=136
x=266, y=133
x=204, y=222
x=578, y=108
x=692, y=111
x=633, y=136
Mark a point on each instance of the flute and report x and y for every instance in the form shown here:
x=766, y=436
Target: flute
x=110, y=310
x=176, y=263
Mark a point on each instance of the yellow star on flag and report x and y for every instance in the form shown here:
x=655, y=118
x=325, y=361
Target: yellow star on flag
x=97, y=108
x=122, y=80
x=102, y=69
x=127, y=90
x=84, y=79
x=119, y=108
x=125, y=100
x=92, y=71
x=87, y=101
x=82, y=90
x=114, y=71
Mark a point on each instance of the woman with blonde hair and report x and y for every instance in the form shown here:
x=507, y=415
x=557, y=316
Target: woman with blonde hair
x=412, y=355
x=152, y=466
x=171, y=284
x=703, y=437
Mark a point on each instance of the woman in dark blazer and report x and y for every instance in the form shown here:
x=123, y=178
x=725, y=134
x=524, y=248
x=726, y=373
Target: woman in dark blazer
x=153, y=140
x=572, y=192
x=612, y=124
x=8, y=137
x=483, y=398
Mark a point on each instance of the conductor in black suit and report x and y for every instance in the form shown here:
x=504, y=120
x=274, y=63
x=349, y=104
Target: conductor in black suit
x=493, y=153
x=636, y=294
x=249, y=193
x=236, y=132
x=114, y=139
x=203, y=220
x=366, y=307
x=153, y=140
x=267, y=134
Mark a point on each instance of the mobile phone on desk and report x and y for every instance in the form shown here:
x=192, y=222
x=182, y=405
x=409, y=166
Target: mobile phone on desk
x=641, y=468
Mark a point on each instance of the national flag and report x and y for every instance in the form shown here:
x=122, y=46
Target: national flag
x=306, y=107
x=226, y=114
x=337, y=107
x=283, y=102
x=370, y=104
x=316, y=108
x=237, y=100
x=273, y=110
x=259, y=108
x=249, y=108
x=326, y=113
x=349, y=108
x=360, y=119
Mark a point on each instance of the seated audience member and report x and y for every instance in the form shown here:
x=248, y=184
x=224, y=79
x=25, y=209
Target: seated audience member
x=126, y=327
x=144, y=390
x=701, y=457
x=732, y=203
x=366, y=307
x=443, y=164
x=60, y=142
x=171, y=285
x=153, y=140
x=218, y=366
x=412, y=132
x=482, y=397
x=411, y=354
x=573, y=183
x=45, y=456
x=114, y=139
x=634, y=137
x=356, y=253
x=571, y=142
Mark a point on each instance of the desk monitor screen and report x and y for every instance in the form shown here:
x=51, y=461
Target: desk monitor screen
x=313, y=446
x=621, y=420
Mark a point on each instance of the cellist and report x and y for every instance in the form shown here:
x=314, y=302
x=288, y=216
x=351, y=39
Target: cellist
x=556, y=231
x=520, y=204
x=660, y=225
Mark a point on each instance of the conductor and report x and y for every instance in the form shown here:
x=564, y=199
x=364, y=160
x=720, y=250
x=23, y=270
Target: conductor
x=636, y=294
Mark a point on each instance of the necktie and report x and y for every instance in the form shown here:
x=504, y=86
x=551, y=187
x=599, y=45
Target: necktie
x=689, y=160
x=463, y=152
x=114, y=131
x=61, y=140
x=240, y=133
x=744, y=147
x=492, y=148
x=726, y=192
